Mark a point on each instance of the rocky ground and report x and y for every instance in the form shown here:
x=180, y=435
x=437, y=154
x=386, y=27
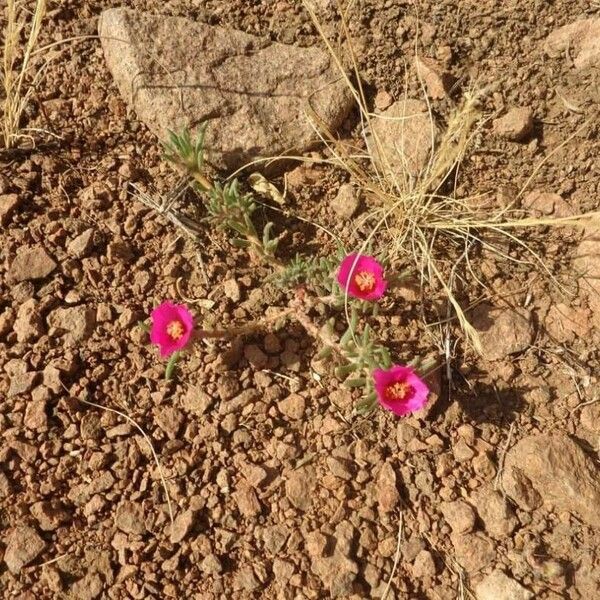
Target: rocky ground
x=278, y=490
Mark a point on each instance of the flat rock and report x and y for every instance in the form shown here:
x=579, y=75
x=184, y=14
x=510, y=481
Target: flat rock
x=459, y=515
x=76, y=323
x=346, y=202
x=299, y=487
x=31, y=263
x=182, y=526
x=129, y=518
x=401, y=138
x=256, y=93
x=388, y=496
x=502, y=331
x=23, y=547
x=553, y=470
x=499, y=586
x=581, y=39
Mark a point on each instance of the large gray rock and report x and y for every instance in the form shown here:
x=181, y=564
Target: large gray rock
x=257, y=94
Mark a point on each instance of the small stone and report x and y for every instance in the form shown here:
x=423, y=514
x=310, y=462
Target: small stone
x=498, y=586
x=28, y=325
x=32, y=263
x=272, y=344
x=337, y=573
x=459, y=515
x=20, y=383
x=24, y=545
x=245, y=579
x=383, y=100
x=182, y=526
x=9, y=203
x=89, y=587
x=196, y=400
x=474, y=551
x=35, y=416
x=590, y=417
x=76, y=323
x=462, y=452
x=437, y=82
x=254, y=475
x=546, y=203
x=82, y=245
x=299, y=487
x=255, y=356
x=316, y=543
x=346, y=202
x=7, y=321
x=283, y=571
x=502, y=331
x=211, y=565
x=516, y=125
x=170, y=420
x=129, y=518
x=231, y=289
x=247, y=501
x=424, y=565
x=50, y=514
x=496, y=513
x=293, y=406
x=275, y=537
x=340, y=468
x=405, y=132
x=26, y=452
x=5, y=486
x=388, y=496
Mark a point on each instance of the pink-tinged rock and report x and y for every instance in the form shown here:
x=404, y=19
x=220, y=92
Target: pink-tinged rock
x=31, y=263
x=581, y=39
x=256, y=93
x=23, y=547
x=553, y=470
x=437, y=81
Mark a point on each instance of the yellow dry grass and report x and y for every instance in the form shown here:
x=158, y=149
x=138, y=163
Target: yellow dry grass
x=20, y=35
x=410, y=218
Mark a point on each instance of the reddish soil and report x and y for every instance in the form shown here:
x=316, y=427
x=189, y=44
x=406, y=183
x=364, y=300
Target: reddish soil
x=278, y=490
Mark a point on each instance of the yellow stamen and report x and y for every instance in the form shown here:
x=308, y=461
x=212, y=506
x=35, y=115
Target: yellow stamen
x=175, y=329
x=365, y=281
x=397, y=391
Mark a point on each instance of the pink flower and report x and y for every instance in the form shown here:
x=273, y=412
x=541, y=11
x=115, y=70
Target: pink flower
x=400, y=389
x=362, y=276
x=172, y=326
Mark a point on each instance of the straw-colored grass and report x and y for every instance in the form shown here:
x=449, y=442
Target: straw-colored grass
x=416, y=219
x=18, y=80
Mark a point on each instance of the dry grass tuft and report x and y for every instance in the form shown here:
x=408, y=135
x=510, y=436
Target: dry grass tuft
x=417, y=219
x=20, y=35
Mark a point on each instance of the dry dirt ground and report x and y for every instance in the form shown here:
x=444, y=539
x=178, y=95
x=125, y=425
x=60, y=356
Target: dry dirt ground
x=278, y=491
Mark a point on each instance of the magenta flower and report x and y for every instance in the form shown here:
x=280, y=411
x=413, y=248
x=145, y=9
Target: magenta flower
x=362, y=276
x=172, y=326
x=400, y=389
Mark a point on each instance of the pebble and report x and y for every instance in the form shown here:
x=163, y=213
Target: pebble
x=24, y=545
x=299, y=487
x=76, y=323
x=231, y=289
x=211, y=565
x=293, y=406
x=30, y=264
x=474, y=551
x=50, y=514
x=170, y=420
x=459, y=515
x=496, y=513
x=499, y=586
x=388, y=496
x=182, y=525
x=129, y=518
x=28, y=325
x=383, y=100
x=82, y=245
x=346, y=202
x=437, y=82
x=21, y=383
x=9, y=204
x=516, y=125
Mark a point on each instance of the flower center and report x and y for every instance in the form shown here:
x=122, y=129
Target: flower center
x=397, y=391
x=175, y=329
x=365, y=281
